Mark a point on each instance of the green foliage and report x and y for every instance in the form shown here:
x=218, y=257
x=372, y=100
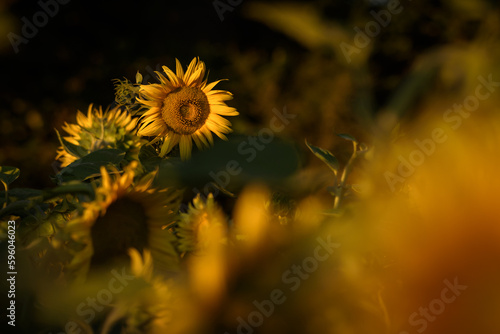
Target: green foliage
x=326, y=156
x=24, y=202
x=90, y=165
x=347, y=137
x=149, y=158
x=231, y=164
x=340, y=188
x=359, y=97
x=8, y=175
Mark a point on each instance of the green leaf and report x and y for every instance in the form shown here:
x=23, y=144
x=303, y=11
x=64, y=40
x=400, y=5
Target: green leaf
x=149, y=158
x=90, y=165
x=73, y=187
x=17, y=194
x=19, y=208
x=24, y=193
x=326, y=156
x=232, y=163
x=347, y=137
x=8, y=174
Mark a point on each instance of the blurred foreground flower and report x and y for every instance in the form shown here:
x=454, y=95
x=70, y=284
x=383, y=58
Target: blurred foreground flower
x=194, y=225
x=443, y=226
x=204, y=231
x=158, y=305
x=124, y=216
x=112, y=128
x=183, y=108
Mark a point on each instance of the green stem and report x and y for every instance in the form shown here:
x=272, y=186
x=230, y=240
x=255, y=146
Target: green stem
x=14, y=207
x=343, y=178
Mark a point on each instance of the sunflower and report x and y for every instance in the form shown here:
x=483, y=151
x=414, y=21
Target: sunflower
x=183, y=107
x=193, y=227
x=113, y=128
x=158, y=305
x=123, y=216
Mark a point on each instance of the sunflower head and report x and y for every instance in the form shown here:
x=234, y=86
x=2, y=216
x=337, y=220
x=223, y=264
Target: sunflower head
x=126, y=94
x=97, y=130
x=156, y=305
x=125, y=215
x=193, y=228
x=183, y=108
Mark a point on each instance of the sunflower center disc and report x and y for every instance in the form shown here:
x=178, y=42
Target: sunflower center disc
x=185, y=110
x=122, y=227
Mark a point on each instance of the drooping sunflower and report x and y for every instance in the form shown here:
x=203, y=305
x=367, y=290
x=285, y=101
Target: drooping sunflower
x=113, y=128
x=184, y=108
x=123, y=216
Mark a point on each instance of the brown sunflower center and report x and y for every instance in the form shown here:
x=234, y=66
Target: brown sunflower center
x=185, y=110
x=122, y=227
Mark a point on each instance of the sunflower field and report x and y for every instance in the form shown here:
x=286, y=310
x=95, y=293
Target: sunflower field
x=241, y=167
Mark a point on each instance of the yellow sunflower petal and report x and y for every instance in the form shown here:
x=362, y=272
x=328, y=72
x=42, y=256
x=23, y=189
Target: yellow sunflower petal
x=200, y=140
x=169, y=142
x=176, y=82
x=185, y=147
x=202, y=109
x=196, y=78
x=179, y=70
x=190, y=69
x=222, y=109
x=164, y=81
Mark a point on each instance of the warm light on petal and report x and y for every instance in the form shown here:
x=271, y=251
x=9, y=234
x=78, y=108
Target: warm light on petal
x=113, y=128
x=183, y=108
x=185, y=146
x=128, y=215
x=250, y=218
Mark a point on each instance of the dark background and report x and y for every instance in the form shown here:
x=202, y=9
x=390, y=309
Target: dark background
x=72, y=60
